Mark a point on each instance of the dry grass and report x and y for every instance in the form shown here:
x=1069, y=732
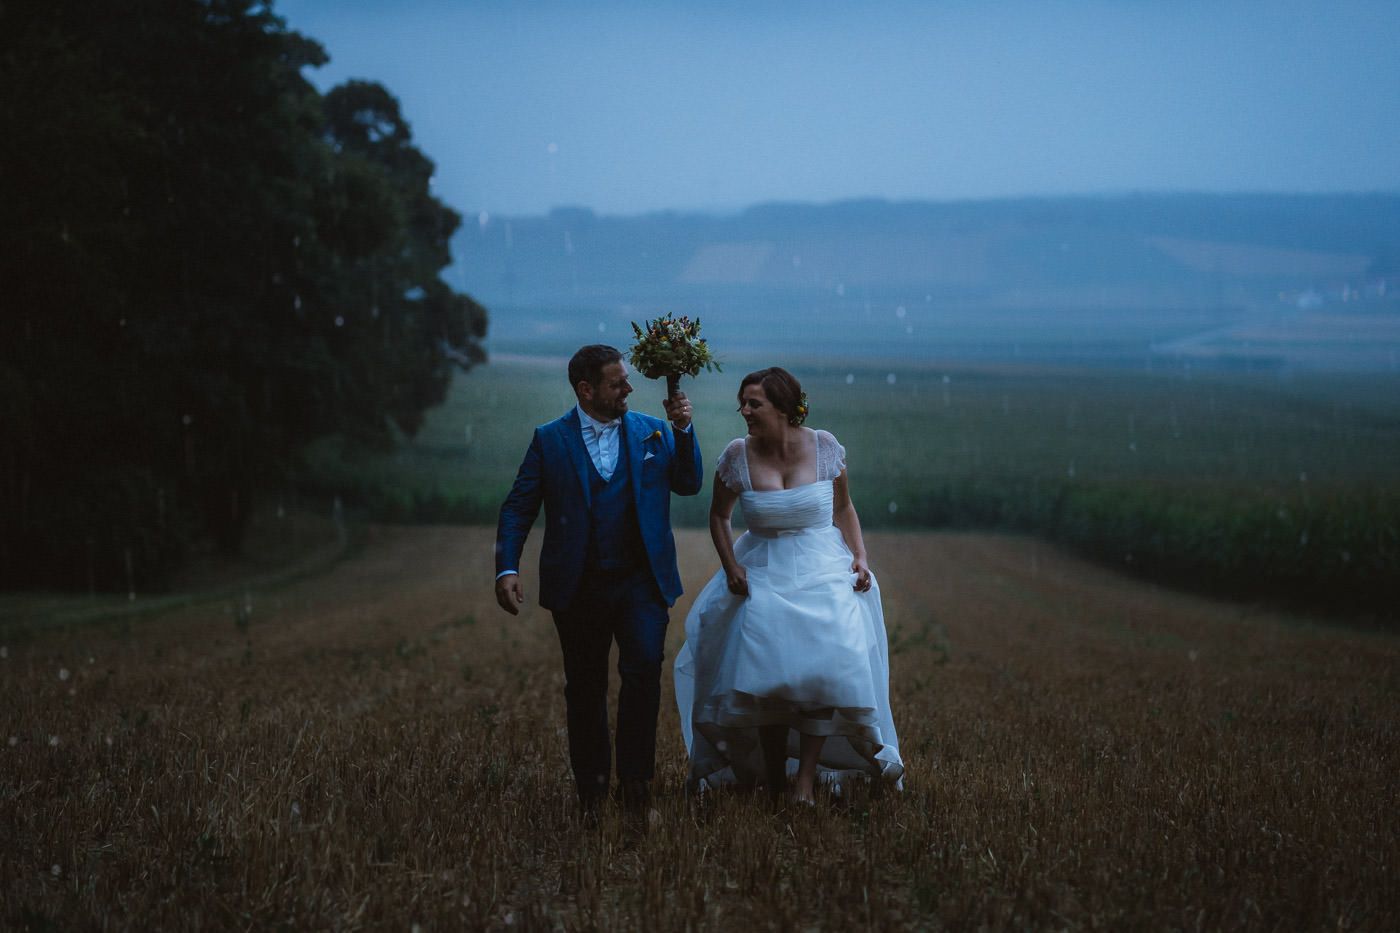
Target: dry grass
x=380, y=747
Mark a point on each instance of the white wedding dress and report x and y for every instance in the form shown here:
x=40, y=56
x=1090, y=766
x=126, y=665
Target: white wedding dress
x=803, y=649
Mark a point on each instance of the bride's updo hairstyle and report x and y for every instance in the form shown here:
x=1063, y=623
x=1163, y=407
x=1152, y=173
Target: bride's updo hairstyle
x=782, y=389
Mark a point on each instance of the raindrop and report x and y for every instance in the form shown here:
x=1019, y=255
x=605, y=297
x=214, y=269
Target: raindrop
x=947, y=379
x=63, y=673
x=900, y=312
x=1302, y=477
x=841, y=289
x=339, y=321
x=4, y=651
x=55, y=871
x=296, y=302
x=894, y=506
x=1070, y=472
x=483, y=219
x=909, y=328
x=602, y=327
x=108, y=740
x=1132, y=446
x=850, y=379
x=14, y=740
x=53, y=741
x=890, y=379
x=186, y=420
x=296, y=810
x=1193, y=654
x=796, y=261
x=552, y=148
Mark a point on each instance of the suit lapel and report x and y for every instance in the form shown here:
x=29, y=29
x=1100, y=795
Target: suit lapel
x=632, y=428
x=573, y=442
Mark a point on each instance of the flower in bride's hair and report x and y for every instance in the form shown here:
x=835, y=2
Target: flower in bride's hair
x=800, y=415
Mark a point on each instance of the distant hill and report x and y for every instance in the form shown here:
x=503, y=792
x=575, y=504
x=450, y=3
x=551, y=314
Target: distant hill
x=885, y=266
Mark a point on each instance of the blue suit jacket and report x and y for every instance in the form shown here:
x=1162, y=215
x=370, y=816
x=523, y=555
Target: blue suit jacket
x=555, y=474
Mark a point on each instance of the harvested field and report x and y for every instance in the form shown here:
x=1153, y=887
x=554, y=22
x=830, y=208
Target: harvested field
x=379, y=746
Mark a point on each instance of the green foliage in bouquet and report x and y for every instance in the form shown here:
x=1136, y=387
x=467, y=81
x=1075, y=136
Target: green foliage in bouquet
x=671, y=347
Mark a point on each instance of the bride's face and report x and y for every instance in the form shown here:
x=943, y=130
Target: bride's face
x=761, y=415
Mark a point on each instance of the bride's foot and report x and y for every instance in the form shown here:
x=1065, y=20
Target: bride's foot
x=803, y=796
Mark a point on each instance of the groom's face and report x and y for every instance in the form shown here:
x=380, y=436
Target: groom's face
x=608, y=399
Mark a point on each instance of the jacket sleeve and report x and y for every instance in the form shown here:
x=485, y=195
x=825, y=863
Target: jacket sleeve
x=520, y=509
x=686, y=467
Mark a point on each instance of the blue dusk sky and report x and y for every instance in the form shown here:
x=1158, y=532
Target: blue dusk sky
x=712, y=105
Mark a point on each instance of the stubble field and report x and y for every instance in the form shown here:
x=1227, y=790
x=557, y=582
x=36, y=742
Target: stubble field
x=379, y=746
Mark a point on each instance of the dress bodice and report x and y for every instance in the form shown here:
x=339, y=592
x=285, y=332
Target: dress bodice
x=780, y=511
x=733, y=465
x=788, y=511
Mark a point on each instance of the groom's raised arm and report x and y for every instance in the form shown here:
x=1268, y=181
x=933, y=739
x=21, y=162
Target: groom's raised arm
x=686, y=475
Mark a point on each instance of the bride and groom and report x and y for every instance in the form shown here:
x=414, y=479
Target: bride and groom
x=785, y=669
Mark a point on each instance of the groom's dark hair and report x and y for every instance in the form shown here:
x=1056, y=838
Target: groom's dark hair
x=587, y=364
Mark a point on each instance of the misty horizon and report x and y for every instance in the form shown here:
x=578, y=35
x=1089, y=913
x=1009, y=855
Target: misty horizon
x=737, y=210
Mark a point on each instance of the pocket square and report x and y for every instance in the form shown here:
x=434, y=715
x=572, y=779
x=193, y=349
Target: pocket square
x=648, y=456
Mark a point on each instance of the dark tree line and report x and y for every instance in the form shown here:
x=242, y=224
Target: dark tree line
x=204, y=264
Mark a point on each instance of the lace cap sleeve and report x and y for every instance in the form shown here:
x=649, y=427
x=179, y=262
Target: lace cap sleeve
x=831, y=456
x=732, y=467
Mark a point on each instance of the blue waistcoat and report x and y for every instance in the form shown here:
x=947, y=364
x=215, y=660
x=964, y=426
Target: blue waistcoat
x=614, y=536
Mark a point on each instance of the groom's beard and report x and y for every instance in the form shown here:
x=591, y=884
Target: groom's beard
x=611, y=411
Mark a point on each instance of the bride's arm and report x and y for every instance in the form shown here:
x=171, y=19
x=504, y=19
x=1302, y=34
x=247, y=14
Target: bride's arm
x=722, y=533
x=845, y=518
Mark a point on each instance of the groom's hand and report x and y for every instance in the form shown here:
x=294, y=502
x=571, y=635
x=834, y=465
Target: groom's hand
x=678, y=410
x=509, y=593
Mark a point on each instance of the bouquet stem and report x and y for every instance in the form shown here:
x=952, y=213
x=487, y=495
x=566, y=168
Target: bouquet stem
x=673, y=385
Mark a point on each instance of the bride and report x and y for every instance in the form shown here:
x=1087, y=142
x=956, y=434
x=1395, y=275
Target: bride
x=788, y=637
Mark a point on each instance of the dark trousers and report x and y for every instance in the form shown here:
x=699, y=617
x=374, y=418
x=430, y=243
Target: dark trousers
x=628, y=607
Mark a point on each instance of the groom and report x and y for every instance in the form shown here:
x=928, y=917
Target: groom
x=608, y=566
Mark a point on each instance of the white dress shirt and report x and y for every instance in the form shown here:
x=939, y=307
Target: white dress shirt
x=601, y=439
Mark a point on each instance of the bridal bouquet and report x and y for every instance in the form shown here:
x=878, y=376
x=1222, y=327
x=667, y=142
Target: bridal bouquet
x=671, y=347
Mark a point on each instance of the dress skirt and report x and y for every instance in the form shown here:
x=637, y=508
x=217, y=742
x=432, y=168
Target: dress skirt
x=803, y=649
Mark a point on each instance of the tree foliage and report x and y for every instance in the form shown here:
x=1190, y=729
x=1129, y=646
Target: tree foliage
x=204, y=263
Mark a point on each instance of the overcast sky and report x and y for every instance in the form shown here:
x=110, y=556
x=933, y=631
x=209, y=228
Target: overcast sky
x=628, y=107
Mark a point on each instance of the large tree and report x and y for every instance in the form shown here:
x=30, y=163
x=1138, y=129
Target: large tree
x=205, y=264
